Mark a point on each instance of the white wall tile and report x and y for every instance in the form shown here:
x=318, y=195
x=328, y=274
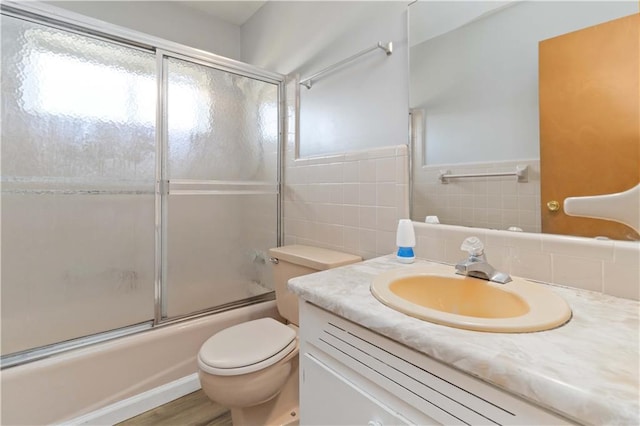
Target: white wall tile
x=402, y=170
x=496, y=193
x=367, y=217
x=385, y=242
x=348, y=201
x=351, y=239
x=577, y=246
x=334, y=173
x=386, y=169
x=351, y=193
x=622, y=275
x=386, y=194
x=351, y=215
x=534, y=265
x=577, y=262
x=402, y=200
x=366, y=171
x=367, y=238
x=337, y=193
x=335, y=214
x=386, y=218
x=351, y=172
x=368, y=194
x=322, y=193
x=429, y=248
x=577, y=272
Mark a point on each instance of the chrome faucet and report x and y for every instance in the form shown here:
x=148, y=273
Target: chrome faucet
x=476, y=264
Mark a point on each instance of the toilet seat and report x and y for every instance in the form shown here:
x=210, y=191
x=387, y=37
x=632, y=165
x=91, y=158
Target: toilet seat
x=247, y=347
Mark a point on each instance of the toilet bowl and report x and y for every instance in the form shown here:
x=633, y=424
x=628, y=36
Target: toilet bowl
x=252, y=367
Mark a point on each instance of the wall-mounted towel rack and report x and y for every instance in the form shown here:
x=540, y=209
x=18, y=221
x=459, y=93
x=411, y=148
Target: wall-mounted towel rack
x=308, y=82
x=521, y=174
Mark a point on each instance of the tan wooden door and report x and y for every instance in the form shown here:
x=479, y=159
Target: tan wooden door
x=589, y=121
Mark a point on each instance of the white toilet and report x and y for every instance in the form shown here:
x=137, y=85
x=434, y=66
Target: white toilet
x=252, y=367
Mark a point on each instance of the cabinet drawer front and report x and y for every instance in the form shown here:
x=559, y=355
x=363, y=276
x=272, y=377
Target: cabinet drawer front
x=331, y=399
x=440, y=392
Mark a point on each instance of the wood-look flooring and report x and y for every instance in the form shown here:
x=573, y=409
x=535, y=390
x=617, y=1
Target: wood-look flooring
x=194, y=409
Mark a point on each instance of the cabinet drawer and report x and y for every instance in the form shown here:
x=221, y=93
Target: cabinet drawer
x=331, y=399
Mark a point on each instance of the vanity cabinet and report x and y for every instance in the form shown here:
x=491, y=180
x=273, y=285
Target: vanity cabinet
x=351, y=375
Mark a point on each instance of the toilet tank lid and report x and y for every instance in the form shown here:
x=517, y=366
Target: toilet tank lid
x=313, y=257
x=246, y=344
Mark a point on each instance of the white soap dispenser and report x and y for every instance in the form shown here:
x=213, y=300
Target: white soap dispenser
x=406, y=241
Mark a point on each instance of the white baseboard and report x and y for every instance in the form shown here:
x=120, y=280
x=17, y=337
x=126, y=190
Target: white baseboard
x=138, y=404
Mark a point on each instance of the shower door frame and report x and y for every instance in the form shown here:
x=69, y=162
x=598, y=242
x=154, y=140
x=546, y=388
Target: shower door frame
x=163, y=184
x=49, y=15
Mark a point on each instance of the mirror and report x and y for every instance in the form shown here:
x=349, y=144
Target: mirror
x=487, y=112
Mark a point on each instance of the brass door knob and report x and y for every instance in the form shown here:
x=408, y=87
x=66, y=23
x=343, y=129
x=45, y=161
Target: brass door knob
x=553, y=206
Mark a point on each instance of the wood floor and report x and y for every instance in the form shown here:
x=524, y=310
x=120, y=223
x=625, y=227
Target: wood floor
x=193, y=409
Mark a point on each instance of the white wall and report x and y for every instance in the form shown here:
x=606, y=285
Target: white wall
x=478, y=85
x=165, y=19
x=361, y=105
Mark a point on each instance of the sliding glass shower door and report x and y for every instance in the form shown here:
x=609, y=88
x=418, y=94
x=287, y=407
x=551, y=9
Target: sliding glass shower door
x=139, y=186
x=78, y=185
x=220, y=213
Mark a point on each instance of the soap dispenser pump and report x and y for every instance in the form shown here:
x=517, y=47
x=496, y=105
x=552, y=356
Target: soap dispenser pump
x=406, y=241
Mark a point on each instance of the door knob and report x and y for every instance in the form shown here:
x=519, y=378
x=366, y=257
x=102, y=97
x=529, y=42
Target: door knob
x=553, y=206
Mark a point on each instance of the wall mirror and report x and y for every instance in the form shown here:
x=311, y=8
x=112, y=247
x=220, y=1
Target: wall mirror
x=522, y=94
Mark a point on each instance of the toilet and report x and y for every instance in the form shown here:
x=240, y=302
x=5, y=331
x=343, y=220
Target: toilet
x=252, y=367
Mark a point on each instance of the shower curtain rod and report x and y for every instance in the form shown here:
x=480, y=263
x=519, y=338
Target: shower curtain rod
x=308, y=82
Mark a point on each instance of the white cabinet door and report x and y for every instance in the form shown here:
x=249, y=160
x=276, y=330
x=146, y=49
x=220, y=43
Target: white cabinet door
x=330, y=399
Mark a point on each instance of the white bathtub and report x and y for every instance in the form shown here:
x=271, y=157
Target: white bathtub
x=69, y=385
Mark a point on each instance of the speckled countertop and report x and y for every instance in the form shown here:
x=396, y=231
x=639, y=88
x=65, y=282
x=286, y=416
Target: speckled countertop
x=587, y=370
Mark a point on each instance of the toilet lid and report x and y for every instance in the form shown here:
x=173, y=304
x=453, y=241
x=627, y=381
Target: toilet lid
x=246, y=347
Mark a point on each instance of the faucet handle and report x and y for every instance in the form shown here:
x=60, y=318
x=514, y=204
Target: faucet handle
x=473, y=246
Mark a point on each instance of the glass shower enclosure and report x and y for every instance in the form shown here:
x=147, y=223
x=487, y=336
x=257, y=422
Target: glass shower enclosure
x=140, y=184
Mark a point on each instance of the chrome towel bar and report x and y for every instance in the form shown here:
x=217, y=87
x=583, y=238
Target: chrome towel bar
x=521, y=174
x=308, y=82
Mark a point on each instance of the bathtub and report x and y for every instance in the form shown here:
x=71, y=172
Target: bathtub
x=67, y=387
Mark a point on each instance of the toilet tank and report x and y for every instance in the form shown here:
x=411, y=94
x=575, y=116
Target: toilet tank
x=297, y=260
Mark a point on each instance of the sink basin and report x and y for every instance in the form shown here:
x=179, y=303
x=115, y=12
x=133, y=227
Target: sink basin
x=435, y=293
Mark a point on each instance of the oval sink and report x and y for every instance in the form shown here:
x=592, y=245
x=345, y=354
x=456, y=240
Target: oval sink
x=436, y=294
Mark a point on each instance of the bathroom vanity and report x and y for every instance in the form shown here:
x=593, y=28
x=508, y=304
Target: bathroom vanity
x=374, y=365
x=368, y=379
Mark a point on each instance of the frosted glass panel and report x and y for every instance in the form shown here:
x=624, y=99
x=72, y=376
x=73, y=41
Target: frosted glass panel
x=223, y=145
x=78, y=179
x=74, y=106
x=221, y=126
x=215, y=256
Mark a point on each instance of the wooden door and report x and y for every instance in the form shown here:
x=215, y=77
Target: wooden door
x=589, y=121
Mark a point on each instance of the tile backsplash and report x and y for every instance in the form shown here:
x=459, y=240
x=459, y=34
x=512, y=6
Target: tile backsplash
x=611, y=267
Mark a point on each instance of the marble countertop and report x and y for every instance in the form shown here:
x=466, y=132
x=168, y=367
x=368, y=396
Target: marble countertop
x=586, y=370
